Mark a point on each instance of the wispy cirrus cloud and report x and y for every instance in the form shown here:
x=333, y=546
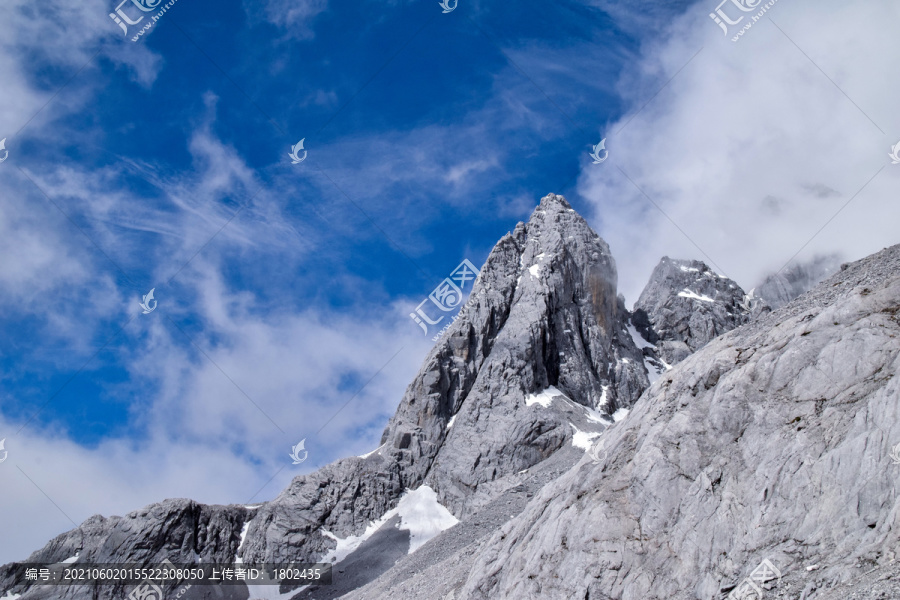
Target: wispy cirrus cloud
x=294, y=15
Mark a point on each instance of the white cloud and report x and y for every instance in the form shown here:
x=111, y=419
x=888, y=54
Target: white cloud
x=747, y=145
x=295, y=15
x=66, y=35
x=191, y=432
x=203, y=439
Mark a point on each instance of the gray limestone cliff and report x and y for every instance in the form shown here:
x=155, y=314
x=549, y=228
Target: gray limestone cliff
x=777, y=442
x=685, y=305
x=533, y=420
x=540, y=354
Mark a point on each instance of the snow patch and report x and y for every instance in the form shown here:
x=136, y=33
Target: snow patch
x=596, y=416
x=70, y=560
x=420, y=513
x=689, y=269
x=252, y=506
x=639, y=340
x=237, y=555
x=620, y=414
x=543, y=398
x=423, y=516
x=534, y=270
x=450, y=422
x=592, y=415
x=604, y=399
x=10, y=596
x=694, y=296
x=368, y=454
x=583, y=439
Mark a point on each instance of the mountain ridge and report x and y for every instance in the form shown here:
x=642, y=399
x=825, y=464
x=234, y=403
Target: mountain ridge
x=495, y=429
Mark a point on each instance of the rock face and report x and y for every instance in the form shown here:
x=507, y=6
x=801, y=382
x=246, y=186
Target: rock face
x=685, y=305
x=772, y=442
x=181, y=531
x=544, y=312
x=539, y=359
x=782, y=287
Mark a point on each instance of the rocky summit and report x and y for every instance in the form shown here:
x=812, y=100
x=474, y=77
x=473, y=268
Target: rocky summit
x=532, y=457
x=685, y=305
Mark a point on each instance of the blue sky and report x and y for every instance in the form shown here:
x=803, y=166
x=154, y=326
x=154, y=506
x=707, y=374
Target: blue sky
x=284, y=289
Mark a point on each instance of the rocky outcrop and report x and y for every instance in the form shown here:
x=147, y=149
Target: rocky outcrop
x=538, y=360
x=771, y=439
x=685, y=305
x=181, y=531
x=773, y=442
x=544, y=313
x=782, y=287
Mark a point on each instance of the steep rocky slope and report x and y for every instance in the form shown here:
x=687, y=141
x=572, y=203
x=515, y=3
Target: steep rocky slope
x=540, y=359
x=685, y=305
x=772, y=442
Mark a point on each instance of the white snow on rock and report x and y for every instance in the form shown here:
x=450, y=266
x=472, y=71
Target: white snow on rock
x=620, y=414
x=694, y=296
x=451, y=421
x=10, y=596
x=345, y=546
x=237, y=555
x=420, y=513
x=543, y=398
x=583, y=439
x=689, y=269
x=604, y=398
x=592, y=414
x=423, y=516
x=70, y=560
x=535, y=269
x=368, y=454
x=639, y=340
